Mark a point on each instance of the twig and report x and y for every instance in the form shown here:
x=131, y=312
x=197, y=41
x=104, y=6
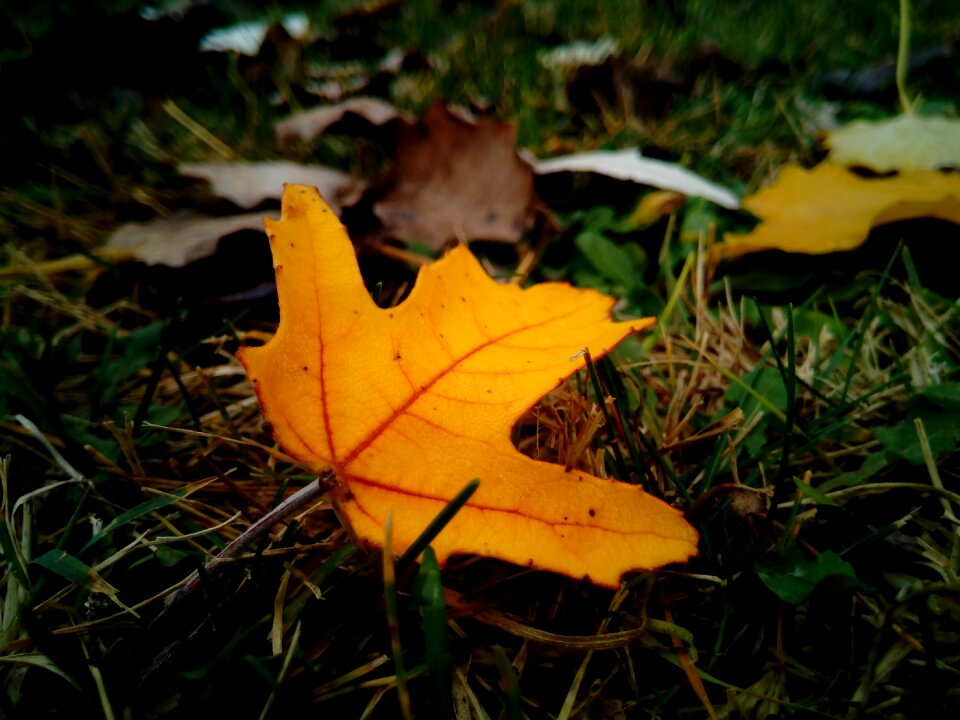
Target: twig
x=293, y=504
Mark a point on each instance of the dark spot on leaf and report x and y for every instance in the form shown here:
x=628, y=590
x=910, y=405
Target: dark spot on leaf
x=586, y=577
x=579, y=478
x=489, y=391
x=568, y=468
x=396, y=356
x=592, y=512
x=292, y=245
x=462, y=299
x=305, y=368
x=389, y=315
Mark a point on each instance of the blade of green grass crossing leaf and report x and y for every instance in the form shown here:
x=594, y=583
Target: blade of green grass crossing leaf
x=393, y=623
x=509, y=685
x=621, y=466
x=437, y=524
x=434, y=613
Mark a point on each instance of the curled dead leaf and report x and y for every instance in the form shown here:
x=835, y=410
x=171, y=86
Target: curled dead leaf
x=311, y=123
x=179, y=240
x=247, y=184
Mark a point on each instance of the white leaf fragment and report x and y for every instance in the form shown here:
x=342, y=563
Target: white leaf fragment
x=630, y=165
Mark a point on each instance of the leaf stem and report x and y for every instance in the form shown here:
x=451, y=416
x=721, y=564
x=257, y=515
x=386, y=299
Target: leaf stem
x=293, y=504
x=903, y=57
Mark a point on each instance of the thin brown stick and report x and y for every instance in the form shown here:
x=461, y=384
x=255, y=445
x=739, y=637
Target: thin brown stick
x=293, y=504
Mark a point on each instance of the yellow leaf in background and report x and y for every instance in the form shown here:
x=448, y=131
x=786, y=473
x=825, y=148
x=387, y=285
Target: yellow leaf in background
x=408, y=404
x=653, y=206
x=906, y=142
x=829, y=208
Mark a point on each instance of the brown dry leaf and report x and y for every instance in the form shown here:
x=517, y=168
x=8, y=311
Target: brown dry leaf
x=311, y=123
x=249, y=184
x=179, y=240
x=458, y=179
x=829, y=208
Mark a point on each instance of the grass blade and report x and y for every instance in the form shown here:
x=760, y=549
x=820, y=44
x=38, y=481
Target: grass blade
x=437, y=525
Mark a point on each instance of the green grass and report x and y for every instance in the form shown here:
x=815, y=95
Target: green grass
x=803, y=413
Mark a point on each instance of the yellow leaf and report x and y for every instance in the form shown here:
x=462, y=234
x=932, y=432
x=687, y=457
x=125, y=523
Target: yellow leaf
x=906, y=142
x=408, y=404
x=653, y=206
x=829, y=208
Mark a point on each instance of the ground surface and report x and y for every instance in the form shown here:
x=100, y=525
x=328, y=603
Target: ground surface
x=782, y=401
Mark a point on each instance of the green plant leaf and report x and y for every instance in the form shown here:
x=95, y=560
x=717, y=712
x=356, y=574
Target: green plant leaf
x=609, y=259
x=139, y=511
x=901, y=440
x=793, y=576
x=77, y=572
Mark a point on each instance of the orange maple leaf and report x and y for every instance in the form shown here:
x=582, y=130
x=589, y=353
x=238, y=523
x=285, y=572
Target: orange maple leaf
x=408, y=404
